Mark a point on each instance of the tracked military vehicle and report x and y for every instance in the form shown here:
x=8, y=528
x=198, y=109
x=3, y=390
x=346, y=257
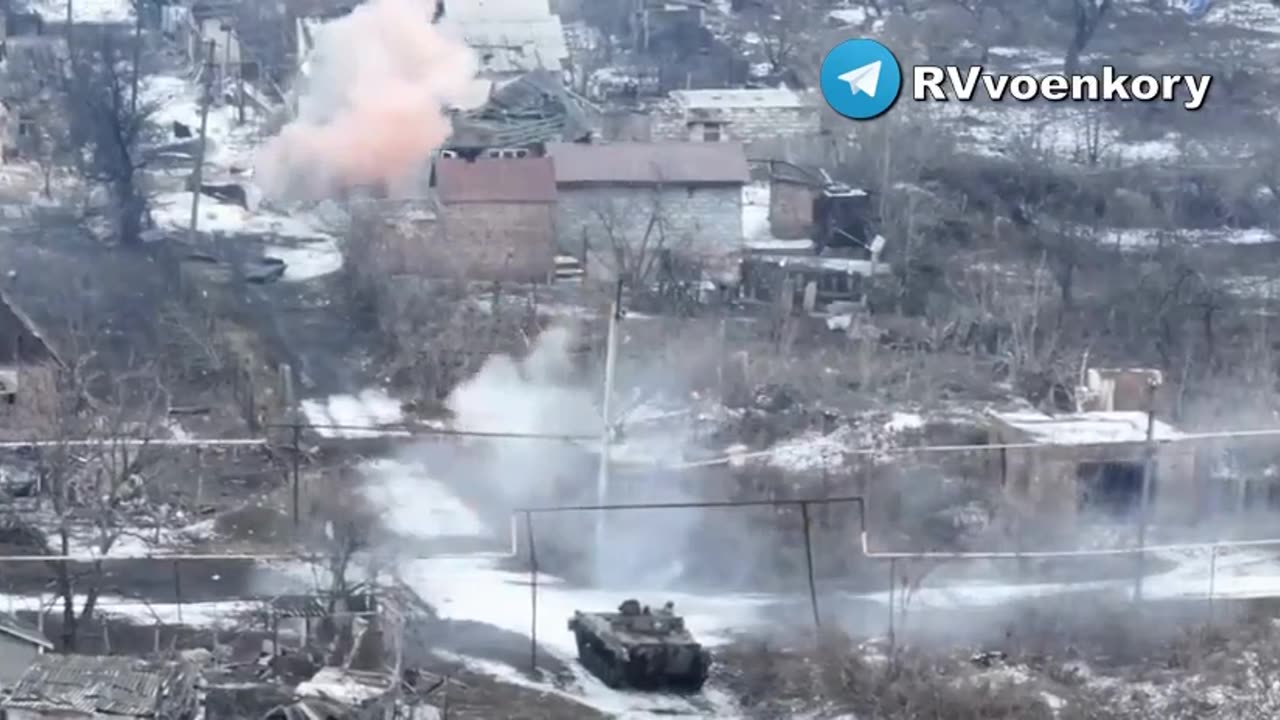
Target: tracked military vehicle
x=640, y=648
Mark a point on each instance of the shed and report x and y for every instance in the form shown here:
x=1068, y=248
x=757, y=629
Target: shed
x=20, y=644
x=1062, y=466
x=636, y=201
x=497, y=217
x=89, y=686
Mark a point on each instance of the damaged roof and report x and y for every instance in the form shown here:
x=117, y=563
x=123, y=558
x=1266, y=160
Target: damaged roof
x=102, y=685
x=1087, y=428
x=640, y=163
x=20, y=338
x=503, y=180
x=533, y=108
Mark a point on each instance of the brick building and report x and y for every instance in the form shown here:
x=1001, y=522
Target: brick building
x=632, y=202
x=497, y=217
x=746, y=116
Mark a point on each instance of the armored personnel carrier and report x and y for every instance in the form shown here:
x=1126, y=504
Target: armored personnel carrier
x=640, y=648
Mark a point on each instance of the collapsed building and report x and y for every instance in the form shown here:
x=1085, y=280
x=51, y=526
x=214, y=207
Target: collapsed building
x=520, y=116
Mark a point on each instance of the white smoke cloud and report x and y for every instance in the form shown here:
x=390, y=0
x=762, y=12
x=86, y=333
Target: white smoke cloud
x=374, y=105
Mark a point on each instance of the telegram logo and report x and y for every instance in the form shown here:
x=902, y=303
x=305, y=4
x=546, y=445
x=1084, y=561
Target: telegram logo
x=861, y=79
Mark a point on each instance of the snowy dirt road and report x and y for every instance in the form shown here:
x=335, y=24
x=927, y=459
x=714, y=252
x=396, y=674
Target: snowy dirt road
x=488, y=589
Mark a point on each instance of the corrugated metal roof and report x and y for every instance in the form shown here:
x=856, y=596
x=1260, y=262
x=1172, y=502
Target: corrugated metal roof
x=89, y=684
x=513, y=180
x=749, y=98
x=298, y=606
x=683, y=163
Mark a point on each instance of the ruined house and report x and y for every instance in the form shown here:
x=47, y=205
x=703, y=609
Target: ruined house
x=643, y=201
x=497, y=218
x=29, y=369
x=206, y=31
x=20, y=644
x=523, y=114
x=748, y=116
x=510, y=37
x=87, y=686
x=1093, y=463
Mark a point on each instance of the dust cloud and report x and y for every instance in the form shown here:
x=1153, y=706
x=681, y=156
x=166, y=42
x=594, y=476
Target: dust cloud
x=373, y=104
x=547, y=392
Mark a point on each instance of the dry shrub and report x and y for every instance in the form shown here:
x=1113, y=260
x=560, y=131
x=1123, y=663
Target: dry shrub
x=835, y=676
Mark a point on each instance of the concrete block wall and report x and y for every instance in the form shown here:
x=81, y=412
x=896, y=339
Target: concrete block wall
x=671, y=121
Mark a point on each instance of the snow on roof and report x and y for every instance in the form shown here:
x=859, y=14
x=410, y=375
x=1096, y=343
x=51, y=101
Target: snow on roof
x=740, y=98
x=1088, y=428
x=84, y=11
x=517, y=45
x=469, y=10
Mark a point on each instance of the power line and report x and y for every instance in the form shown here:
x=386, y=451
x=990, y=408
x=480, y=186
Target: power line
x=409, y=429
x=978, y=447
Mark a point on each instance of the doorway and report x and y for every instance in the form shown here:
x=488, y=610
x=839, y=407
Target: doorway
x=1111, y=488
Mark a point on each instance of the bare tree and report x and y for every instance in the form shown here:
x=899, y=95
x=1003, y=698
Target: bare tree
x=51, y=145
x=782, y=30
x=94, y=473
x=344, y=523
x=1084, y=18
x=113, y=131
x=630, y=237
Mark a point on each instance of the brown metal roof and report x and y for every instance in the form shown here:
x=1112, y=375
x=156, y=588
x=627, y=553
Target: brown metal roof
x=513, y=180
x=639, y=163
x=94, y=685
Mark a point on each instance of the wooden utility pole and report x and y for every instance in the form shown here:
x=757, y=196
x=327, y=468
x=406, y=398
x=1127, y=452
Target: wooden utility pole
x=198, y=176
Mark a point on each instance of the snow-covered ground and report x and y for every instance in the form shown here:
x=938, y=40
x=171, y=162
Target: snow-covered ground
x=352, y=414
x=230, y=145
x=302, y=240
x=1147, y=238
x=142, y=543
x=84, y=11
x=1045, y=131
x=222, y=613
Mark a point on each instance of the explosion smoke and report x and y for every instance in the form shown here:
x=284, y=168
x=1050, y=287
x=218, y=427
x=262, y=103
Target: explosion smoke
x=373, y=108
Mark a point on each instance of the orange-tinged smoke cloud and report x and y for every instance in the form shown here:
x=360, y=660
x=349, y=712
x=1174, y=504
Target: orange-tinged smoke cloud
x=373, y=107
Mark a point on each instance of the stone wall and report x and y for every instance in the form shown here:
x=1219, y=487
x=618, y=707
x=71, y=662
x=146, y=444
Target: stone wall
x=696, y=221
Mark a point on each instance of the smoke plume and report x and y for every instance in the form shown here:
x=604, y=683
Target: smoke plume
x=373, y=106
